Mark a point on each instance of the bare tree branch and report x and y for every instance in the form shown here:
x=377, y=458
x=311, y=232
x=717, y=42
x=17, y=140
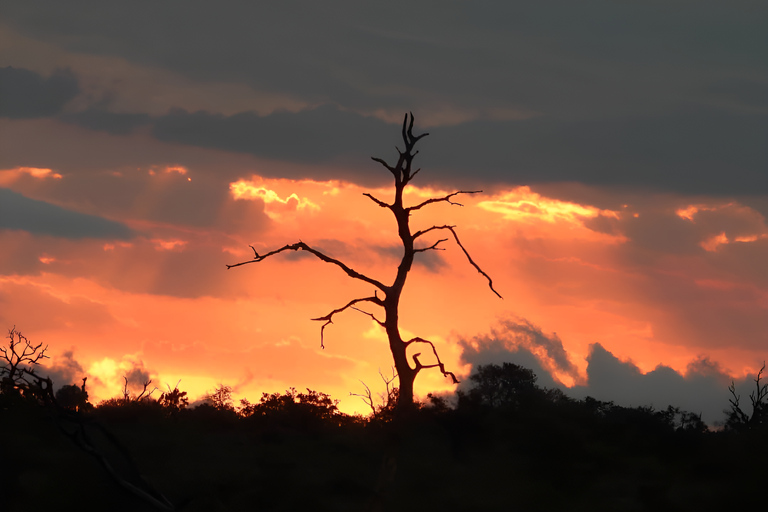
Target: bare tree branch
x=446, y=199
x=458, y=242
x=19, y=354
x=439, y=364
x=377, y=201
x=391, y=169
x=328, y=319
x=367, y=397
x=304, y=247
x=373, y=317
x=413, y=139
x=433, y=246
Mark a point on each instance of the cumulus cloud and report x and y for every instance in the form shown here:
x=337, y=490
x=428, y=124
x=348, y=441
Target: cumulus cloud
x=42, y=218
x=64, y=370
x=109, y=377
x=701, y=389
x=517, y=340
x=26, y=94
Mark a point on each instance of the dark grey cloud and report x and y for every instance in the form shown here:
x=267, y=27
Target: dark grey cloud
x=26, y=94
x=137, y=376
x=39, y=217
x=64, y=370
x=544, y=55
x=519, y=341
x=685, y=151
x=626, y=94
x=701, y=389
x=691, y=152
x=316, y=135
x=431, y=261
x=98, y=119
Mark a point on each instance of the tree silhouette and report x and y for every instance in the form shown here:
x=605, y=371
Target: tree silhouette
x=221, y=398
x=73, y=397
x=503, y=386
x=737, y=419
x=389, y=300
x=18, y=361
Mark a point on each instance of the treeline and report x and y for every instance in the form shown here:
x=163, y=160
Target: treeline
x=504, y=443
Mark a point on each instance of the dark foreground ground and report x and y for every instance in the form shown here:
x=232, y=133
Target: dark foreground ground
x=569, y=457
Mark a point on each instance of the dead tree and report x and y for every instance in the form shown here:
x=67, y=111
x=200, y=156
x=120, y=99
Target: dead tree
x=18, y=361
x=737, y=418
x=387, y=296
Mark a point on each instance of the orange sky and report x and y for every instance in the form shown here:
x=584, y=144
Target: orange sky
x=145, y=147
x=164, y=301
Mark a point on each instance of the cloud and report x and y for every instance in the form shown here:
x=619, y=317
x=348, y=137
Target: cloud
x=665, y=102
x=659, y=152
x=109, y=377
x=64, y=370
x=518, y=340
x=702, y=389
x=26, y=94
x=314, y=135
x=432, y=261
x=545, y=56
x=42, y=218
x=110, y=122
x=39, y=307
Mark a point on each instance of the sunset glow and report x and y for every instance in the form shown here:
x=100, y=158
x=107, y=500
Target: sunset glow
x=615, y=193
x=251, y=329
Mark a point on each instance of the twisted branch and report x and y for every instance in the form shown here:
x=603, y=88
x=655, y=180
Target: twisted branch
x=458, y=242
x=377, y=201
x=433, y=246
x=304, y=247
x=439, y=364
x=328, y=319
x=446, y=199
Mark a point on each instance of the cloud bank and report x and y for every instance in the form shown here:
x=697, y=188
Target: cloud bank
x=701, y=389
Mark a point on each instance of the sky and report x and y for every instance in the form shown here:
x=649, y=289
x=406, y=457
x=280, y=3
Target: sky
x=620, y=148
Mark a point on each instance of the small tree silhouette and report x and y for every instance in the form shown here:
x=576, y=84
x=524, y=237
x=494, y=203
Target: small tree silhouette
x=389, y=301
x=221, y=398
x=18, y=361
x=737, y=419
x=174, y=400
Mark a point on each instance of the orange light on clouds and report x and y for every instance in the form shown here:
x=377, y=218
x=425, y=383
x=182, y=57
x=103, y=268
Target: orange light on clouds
x=169, y=245
x=562, y=265
x=712, y=243
x=8, y=176
x=524, y=205
x=112, y=246
x=176, y=168
x=255, y=189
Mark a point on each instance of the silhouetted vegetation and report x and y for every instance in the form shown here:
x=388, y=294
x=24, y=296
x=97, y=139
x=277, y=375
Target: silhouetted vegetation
x=502, y=443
